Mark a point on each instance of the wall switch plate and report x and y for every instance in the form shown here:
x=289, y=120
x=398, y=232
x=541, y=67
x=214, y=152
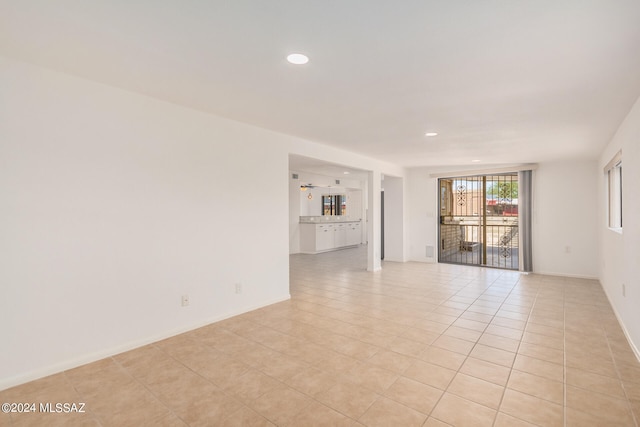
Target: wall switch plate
x=185, y=300
x=238, y=288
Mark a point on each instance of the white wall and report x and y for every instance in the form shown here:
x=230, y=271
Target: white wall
x=114, y=205
x=565, y=219
x=564, y=215
x=294, y=214
x=313, y=206
x=422, y=206
x=394, y=220
x=620, y=253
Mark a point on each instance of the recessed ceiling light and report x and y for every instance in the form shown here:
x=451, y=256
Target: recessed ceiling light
x=475, y=161
x=431, y=134
x=346, y=172
x=298, y=59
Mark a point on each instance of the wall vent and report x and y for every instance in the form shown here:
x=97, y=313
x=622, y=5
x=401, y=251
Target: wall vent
x=294, y=176
x=337, y=182
x=429, y=252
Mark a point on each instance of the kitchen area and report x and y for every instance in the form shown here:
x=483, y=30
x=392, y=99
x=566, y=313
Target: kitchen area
x=326, y=213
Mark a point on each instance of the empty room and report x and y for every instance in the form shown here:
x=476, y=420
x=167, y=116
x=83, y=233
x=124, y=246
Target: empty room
x=337, y=213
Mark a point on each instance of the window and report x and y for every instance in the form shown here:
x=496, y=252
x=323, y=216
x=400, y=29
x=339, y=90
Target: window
x=614, y=189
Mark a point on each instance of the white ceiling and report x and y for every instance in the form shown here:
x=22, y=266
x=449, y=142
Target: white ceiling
x=501, y=81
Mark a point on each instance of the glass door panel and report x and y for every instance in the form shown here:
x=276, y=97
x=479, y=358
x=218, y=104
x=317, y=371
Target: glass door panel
x=479, y=220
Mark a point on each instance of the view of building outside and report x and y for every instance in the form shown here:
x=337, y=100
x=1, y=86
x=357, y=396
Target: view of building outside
x=478, y=213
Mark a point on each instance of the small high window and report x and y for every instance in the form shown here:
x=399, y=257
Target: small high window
x=614, y=190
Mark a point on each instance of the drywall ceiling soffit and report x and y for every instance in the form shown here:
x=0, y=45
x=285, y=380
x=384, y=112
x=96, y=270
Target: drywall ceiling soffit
x=501, y=82
x=320, y=167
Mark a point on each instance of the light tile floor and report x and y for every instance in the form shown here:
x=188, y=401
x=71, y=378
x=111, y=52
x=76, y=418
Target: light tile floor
x=413, y=345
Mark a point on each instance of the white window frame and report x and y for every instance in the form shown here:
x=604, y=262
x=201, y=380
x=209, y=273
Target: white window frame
x=613, y=171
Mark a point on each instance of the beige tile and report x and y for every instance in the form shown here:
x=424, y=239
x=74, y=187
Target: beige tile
x=462, y=333
x=441, y=357
x=509, y=324
x=543, y=353
x=319, y=415
x=493, y=355
x=152, y=413
x=312, y=381
x=591, y=363
x=430, y=374
x=97, y=376
x=420, y=335
x=532, y=409
x=534, y=385
x=577, y=418
x=414, y=394
x=476, y=390
x=406, y=346
x=348, y=399
x=504, y=420
x=503, y=343
x=433, y=326
x=470, y=324
x=487, y=371
x=385, y=412
x=372, y=377
x=603, y=406
x=457, y=411
x=454, y=312
x=556, y=342
x=337, y=363
x=362, y=351
x=476, y=316
x=453, y=344
x=434, y=422
x=251, y=385
x=281, y=367
x=539, y=367
x=630, y=373
x=37, y=419
x=595, y=382
x=545, y=320
x=281, y=405
x=207, y=409
x=224, y=371
x=391, y=361
x=246, y=417
x=545, y=330
x=254, y=358
x=513, y=315
x=403, y=333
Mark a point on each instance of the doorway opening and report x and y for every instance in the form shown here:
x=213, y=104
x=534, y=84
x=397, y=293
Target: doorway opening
x=479, y=221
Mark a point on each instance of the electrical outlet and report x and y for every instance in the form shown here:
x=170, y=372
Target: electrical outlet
x=238, y=288
x=185, y=300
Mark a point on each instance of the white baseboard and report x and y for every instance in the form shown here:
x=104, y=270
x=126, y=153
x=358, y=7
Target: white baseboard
x=633, y=346
x=573, y=276
x=424, y=260
x=6, y=383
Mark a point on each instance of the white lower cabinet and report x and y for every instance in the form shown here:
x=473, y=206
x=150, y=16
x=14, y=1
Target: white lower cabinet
x=316, y=238
x=324, y=237
x=340, y=235
x=353, y=233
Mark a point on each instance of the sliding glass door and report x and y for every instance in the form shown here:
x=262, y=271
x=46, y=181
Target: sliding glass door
x=479, y=220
